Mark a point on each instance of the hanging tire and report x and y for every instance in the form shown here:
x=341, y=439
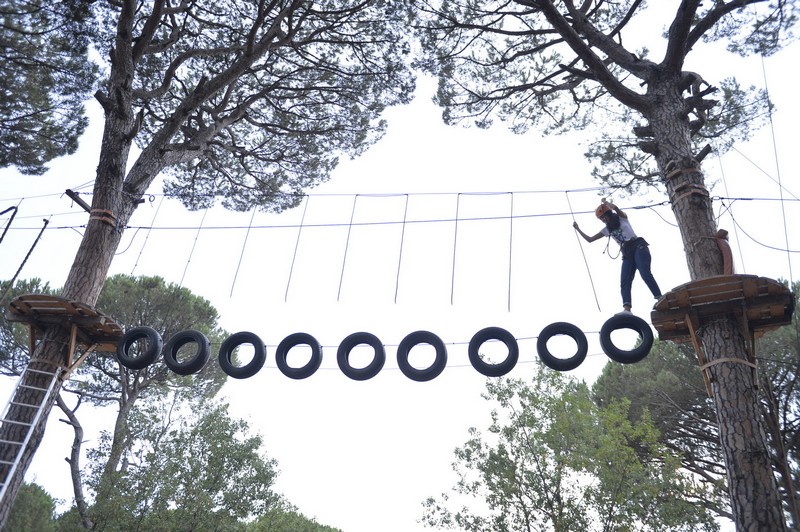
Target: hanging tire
x=150, y=354
x=565, y=329
x=626, y=321
x=347, y=345
x=193, y=364
x=485, y=368
x=414, y=339
x=283, y=351
x=226, y=355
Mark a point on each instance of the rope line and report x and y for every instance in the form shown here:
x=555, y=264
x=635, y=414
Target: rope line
x=296, y=246
x=347, y=245
x=241, y=255
x=147, y=236
x=455, y=242
x=196, y=236
x=583, y=254
x=777, y=169
x=400, y=254
x=510, y=244
x=27, y=256
x=10, y=219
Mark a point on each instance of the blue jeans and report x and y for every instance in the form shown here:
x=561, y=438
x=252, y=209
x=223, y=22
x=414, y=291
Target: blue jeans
x=639, y=260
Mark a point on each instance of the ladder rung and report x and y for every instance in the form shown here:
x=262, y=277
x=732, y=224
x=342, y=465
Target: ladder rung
x=9, y=442
x=33, y=387
x=16, y=422
x=24, y=404
x=29, y=370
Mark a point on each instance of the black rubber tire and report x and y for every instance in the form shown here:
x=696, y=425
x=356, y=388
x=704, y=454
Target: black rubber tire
x=154, y=346
x=485, y=368
x=252, y=367
x=566, y=329
x=347, y=345
x=194, y=364
x=432, y=371
x=626, y=321
x=283, y=351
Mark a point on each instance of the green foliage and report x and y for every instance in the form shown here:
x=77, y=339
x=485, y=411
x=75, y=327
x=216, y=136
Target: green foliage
x=553, y=460
x=669, y=385
x=14, y=337
x=559, y=67
x=254, y=102
x=188, y=473
x=45, y=78
x=168, y=308
x=33, y=510
x=286, y=520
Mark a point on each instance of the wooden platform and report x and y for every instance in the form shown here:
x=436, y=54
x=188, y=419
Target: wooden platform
x=764, y=303
x=86, y=325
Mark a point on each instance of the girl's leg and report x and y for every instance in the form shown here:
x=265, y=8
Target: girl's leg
x=642, y=255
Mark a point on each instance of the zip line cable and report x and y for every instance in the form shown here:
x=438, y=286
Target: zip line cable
x=586, y=262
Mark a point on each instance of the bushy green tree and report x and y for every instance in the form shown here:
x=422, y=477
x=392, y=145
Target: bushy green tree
x=46, y=76
x=287, y=519
x=249, y=102
x=553, y=460
x=562, y=65
x=191, y=470
x=14, y=338
x=669, y=384
x=34, y=510
x=101, y=381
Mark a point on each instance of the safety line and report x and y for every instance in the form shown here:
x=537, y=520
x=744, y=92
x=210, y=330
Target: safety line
x=583, y=253
x=730, y=212
x=455, y=242
x=147, y=236
x=510, y=243
x=14, y=278
x=347, y=245
x=296, y=246
x=394, y=222
x=777, y=169
x=11, y=219
x=400, y=255
x=244, y=244
x=196, y=236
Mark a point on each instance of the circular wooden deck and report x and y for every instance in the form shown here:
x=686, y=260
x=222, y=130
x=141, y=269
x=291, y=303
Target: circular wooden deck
x=91, y=327
x=760, y=303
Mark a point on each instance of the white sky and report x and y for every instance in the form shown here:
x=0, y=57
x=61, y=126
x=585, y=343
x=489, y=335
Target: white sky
x=363, y=456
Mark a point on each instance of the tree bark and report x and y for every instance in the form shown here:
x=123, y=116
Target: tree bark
x=755, y=501
x=112, y=207
x=74, y=461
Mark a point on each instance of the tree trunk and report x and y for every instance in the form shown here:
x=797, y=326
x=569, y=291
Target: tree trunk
x=112, y=207
x=74, y=461
x=755, y=501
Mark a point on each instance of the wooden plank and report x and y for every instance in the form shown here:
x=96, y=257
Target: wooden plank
x=765, y=303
